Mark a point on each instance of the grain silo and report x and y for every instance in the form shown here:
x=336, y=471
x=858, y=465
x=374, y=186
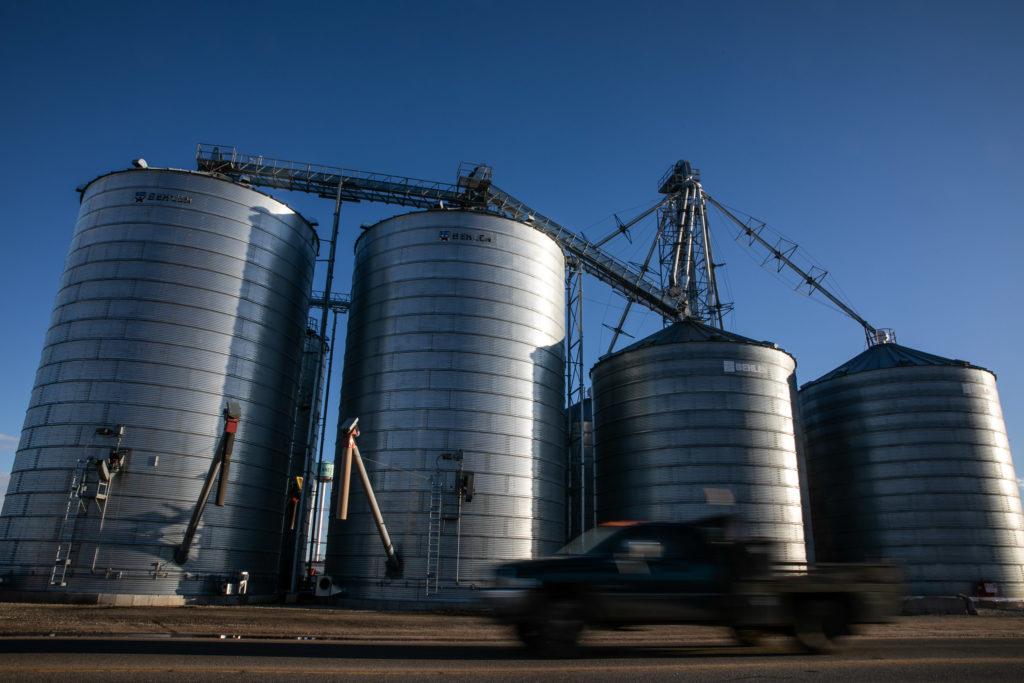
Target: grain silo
x=182, y=294
x=692, y=421
x=454, y=365
x=908, y=459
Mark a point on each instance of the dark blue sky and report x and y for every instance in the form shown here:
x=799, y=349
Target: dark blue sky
x=885, y=137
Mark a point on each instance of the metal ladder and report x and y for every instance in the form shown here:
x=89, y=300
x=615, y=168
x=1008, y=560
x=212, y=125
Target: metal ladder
x=66, y=531
x=435, y=525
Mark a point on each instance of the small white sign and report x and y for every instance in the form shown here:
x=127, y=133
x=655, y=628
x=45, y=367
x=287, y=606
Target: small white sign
x=972, y=389
x=719, y=496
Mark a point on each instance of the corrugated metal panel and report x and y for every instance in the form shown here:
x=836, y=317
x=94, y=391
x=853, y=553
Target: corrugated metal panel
x=691, y=410
x=307, y=414
x=911, y=461
x=581, y=477
x=307, y=408
x=455, y=342
x=180, y=291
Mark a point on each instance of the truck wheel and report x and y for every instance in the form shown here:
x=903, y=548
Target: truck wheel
x=819, y=624
x=559, y=624
x=528, y=633
x=747, y=637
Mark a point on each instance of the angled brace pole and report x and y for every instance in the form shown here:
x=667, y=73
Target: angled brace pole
x=629, y=302
x=346, y=470
x=623, y=228
x=808, y=279
x=220, y=465
x=351, y=430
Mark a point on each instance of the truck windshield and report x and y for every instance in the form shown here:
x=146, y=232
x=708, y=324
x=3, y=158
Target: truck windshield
x=589, y=540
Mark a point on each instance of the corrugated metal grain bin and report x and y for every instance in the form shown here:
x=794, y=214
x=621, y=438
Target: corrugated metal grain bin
x=907, y=459
x=181, y=291
x=691, y=418
x=454, y=349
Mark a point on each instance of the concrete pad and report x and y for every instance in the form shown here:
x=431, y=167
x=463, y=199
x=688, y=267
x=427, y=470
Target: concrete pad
x=1007, y=604
x=937, y=604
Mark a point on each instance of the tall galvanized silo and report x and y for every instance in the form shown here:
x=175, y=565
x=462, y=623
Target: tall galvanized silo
x=454, y=362
x=908, y=459
x=181, y=292
x=694, y=421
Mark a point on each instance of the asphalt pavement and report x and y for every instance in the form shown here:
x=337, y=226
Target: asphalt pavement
x=173, y=658
x=83, y=643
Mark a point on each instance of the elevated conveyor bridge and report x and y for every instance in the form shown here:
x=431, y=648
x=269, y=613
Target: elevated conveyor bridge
x=473, y=191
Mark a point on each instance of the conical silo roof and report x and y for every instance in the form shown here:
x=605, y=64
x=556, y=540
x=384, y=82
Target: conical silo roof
x=908, y=459
x=689, y=330
x=884, y=356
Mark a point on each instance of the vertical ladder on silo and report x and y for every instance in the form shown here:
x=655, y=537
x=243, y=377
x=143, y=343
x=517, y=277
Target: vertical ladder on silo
x=102, y=494
x=434, y=528
x=66, y=530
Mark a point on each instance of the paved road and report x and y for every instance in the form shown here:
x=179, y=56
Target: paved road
x=170, y=658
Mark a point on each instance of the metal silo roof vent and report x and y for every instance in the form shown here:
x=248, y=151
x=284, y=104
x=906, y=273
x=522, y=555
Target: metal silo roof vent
x=885, y=335
x=140, y=163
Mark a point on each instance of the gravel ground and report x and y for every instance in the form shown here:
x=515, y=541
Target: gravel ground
x=351, y=625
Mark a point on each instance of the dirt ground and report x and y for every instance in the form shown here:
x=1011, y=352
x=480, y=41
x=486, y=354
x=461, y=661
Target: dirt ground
x=323, y=623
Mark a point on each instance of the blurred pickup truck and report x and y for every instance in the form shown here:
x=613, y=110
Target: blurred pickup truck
x=686, y=573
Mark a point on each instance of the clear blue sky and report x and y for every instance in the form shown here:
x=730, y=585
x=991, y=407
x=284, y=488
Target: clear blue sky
x=885, y=137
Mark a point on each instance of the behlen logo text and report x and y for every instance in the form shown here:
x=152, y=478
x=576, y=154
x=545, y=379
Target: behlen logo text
x=739, y=366
x=141, y=197
x=451, y=236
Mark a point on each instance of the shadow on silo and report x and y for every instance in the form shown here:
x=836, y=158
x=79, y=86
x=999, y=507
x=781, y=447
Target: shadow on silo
x=548, y=469
x=260, y=373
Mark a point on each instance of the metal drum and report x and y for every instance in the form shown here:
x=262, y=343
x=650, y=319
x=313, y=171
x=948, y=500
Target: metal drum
x=908, y=459
x=454, y=365
x=326, y=472
x=181, y=292
x=694, y=421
